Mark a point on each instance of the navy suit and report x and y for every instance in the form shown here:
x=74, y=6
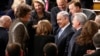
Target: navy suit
x=89, y=13
x=54, y=12
x=3, y=40
x=63, y=40
x=96, y=53
x=72, y=41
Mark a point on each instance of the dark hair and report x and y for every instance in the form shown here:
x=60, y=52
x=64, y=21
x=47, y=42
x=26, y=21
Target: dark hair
x=77, y=4
x=88, y=31
x=50, y=49
x=96, y=39
x=22, y=10
x=13, y=49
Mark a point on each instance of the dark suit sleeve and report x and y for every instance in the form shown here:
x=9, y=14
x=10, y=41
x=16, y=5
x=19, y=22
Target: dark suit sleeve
x=67, y=43
x=54, y=20
x=92, y=17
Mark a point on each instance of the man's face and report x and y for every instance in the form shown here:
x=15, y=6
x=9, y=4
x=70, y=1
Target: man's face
x=61, y=20
x=75, y=22
x=61, y=4
x=73, y=9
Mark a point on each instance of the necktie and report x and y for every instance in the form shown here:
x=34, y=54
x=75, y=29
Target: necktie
x=60, y=32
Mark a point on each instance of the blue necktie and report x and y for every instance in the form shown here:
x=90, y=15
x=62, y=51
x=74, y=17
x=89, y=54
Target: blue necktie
x=60, y=32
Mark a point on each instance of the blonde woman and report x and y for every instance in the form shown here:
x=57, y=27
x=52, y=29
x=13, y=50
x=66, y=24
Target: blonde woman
x=43, y=36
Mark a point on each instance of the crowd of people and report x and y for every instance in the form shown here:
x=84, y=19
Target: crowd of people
x=49, y=28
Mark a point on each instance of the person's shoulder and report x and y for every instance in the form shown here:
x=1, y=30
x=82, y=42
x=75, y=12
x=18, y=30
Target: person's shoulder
x=87, y=55
x=87, y=10
x=54, y=8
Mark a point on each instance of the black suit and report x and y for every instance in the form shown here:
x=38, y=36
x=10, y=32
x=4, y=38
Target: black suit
x=39, y=42
x=54, y=12
x=89, y=13
x=72, y=41
x=63, y=41
x=96, y=53
x=80, y=50
x=3, y=40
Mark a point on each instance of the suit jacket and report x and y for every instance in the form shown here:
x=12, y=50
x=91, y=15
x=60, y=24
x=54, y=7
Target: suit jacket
x=63, y=41
x=10, y=13
x=72, y=41
x=54, y=12
x=3, y=40
x=96, y=53
x=35, y=17
x=18, y=33
x=81, y=50
x=89, y=13
x=39, y=42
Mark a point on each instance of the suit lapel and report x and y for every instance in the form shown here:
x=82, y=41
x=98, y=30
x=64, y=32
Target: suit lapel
x=64, y=34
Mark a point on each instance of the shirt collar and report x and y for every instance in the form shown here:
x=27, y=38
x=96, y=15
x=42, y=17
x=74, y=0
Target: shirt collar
x=79, y=28
x=97, y=48
x=65, y=26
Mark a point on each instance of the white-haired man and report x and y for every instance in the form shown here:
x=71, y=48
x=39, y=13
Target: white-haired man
x=78, y=21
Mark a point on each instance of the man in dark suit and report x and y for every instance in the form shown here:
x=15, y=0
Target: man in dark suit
x=61, y=5
x=65, y=33
x=5, y=22
x=78, y=21
x=75, y=7
x=96, y=42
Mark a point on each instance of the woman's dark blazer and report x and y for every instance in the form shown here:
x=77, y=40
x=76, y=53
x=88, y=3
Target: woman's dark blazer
x=39, y=42
x=81, y=50
x=35, y=17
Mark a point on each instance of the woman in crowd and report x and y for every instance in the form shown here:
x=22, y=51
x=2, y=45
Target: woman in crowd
x=84, y=40
x=18, y=32
x=39, y=12
x=43, y=36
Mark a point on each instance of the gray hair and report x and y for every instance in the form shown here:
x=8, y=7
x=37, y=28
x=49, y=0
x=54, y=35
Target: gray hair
x=96, y=39
x=63, y=13
x=81, y=17
x=3, y=19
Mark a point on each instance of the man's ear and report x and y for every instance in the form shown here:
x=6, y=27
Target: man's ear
x=21, y=52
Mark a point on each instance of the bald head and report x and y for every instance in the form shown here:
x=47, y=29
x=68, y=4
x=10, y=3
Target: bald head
x=5, y=21
x=61, y=4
